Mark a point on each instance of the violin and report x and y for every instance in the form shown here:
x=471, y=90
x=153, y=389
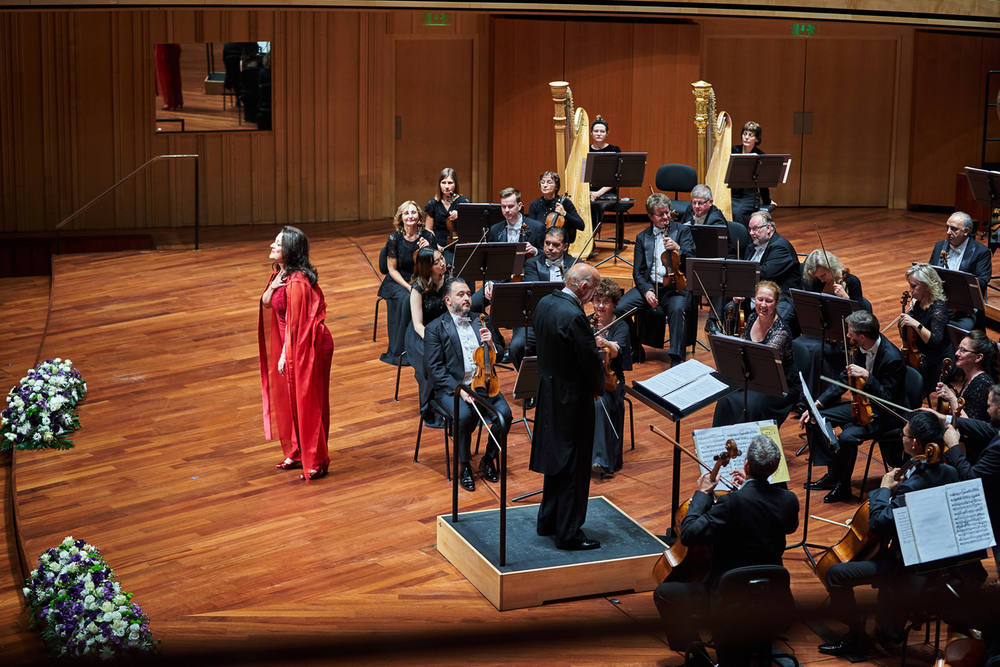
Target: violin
x=673, y=556
x=610, y=380
x=861, y=407
x=673, y=276
x=484, y=379
x=943, y=404
x=447, y=221
x=908, y=336
x=555, y=219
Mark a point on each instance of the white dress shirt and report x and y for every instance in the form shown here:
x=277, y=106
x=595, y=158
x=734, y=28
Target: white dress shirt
x=467, y=337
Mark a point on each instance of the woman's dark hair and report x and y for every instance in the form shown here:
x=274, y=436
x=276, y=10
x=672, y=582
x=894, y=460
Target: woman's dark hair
x=981, y=344
x=554, y=176
x=600, y=121
x=295, y=250
x=423, y=267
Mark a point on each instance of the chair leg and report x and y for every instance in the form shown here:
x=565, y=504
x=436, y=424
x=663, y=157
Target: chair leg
x=631, y=422
x=375, y=328
x=420, y=428
x=399, y=369
x=447, y=454
x=868, y=465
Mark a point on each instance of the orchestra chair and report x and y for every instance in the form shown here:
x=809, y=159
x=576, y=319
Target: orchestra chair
x=737, y=624
x=739, y=235
x=914, y=384
x=679, y=178
x=405, y=318
x=439, y=410
x=383, y=267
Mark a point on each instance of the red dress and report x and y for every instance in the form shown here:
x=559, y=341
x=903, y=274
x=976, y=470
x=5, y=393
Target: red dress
x=298, y=402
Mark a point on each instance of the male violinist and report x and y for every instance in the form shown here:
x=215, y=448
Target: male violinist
x=880, y=367
x=900, y=589
x=450, y=345
x=964, y=253
x=660, y=303
x=745, y=527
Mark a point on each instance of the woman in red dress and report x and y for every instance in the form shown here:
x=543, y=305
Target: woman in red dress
x=295, y=373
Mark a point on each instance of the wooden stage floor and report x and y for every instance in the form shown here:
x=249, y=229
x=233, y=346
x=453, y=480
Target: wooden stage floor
x=234, y=560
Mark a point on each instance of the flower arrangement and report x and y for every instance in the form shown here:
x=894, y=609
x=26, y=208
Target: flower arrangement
x=41, y=409
x=83, y=609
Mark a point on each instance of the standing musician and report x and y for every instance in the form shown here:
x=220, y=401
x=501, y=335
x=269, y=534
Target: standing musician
x=450, y=343
x=745, y=527
x=552, y=202
x=553, y=266
x=666, y=303
x=962, y=252
x=778, y=261
x=609, y=411
x=899, y=588
x=928, y=316
x=879, y=364
x=441, y=209
x=745, y=201
x=570, y=375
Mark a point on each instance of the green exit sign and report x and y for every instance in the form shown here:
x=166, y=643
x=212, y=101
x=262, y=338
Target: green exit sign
x=437, y=18
x=803, y=29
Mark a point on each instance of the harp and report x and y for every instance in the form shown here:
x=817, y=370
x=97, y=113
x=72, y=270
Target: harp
x=572, y=145
x=715, y=143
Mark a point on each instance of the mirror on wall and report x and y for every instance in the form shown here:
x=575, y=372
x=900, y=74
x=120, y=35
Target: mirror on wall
x=213, y=87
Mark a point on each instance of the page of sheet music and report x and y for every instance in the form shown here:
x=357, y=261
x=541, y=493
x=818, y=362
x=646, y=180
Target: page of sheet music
x=701, y=389
x=904, y=536
x=676, y=377
x=930, y=521
x=709, y=442
x=970, y=516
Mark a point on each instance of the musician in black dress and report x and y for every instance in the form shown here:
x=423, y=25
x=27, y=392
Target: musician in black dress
x=928, y=316
x=977, y=371
x=601, y=198
x=609, y=409
x=746, y=201
x=552, y=202
x=426, y=305
x=395, y=288
x=441, y=209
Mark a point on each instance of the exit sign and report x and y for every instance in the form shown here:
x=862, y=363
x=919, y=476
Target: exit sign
x=437, y=18
x=803, y=29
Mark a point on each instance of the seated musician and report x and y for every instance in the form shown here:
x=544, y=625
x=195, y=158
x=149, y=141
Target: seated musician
x=960, y=251
x=879, y=364
x=823, y=272
x=778, y=261
x=928, y=318
x=602, y=198
x=703, y=210
x=550, y=266
x=551, y=202
x=977, y=370
x=745, y=527
x=899, y=587
x=658, y=301
x=450, y=344
x=609, y=412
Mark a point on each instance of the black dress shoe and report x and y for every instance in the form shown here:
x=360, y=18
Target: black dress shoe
x=465, y=478
x=850, y=645
x=711, y=326
x=489, y=469
x=586, y=545
x=824, y=483
x=529, y=404
x=841, y=493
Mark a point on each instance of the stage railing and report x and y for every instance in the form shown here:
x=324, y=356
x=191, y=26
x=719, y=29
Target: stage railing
x=197, y=195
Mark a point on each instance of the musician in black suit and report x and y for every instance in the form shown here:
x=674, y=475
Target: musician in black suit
x=778, y=261
x=899, y=588
x=511, y=230
x=964, y=253
x=553, y=265
x=879, y=364
x=659, y=304
x=450, y=343
x=552, y=202
x=570, y=376
x=703, y=210
x=746, y=527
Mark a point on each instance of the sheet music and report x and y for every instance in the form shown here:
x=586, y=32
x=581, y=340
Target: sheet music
x=675, y=378
x=970, y=516
x=701, y=389
x=931, y=523
x=904, y=536
x=709, y=442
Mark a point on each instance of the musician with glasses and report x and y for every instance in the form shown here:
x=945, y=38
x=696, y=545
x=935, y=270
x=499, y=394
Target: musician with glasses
x=960, y=251
x=778, y=261
x=552, y=202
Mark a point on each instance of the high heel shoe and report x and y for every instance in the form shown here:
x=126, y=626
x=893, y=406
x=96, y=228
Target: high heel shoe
x=315, y=474
x=289, y=464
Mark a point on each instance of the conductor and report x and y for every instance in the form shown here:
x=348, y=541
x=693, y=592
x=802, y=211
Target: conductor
x=570, y=376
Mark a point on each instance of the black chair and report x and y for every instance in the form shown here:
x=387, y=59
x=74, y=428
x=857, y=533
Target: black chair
x=914, y=383
x=250, y=93
x=739, y=235
x=679, y=178
x=383, y=267
x=438, y=408
x=738, y=626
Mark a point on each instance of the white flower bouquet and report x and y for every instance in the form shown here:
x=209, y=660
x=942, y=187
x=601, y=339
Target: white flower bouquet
x=81, y=608
x=41, y=409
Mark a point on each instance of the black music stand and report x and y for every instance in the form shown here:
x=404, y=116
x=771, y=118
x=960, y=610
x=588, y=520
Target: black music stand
x=616, y=170
x=711, y=241
x=962, y=290
x=956, y=334
x=526, y=387
x=985, y=186
x=822, y=426
x=489, y=261
x=514, y=304
x=750, y=170
x=722, y=278
x=755, y=365
x=474, y=221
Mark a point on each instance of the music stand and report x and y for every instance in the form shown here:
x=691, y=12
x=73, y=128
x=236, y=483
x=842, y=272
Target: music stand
x=956, y=334
x=489, y=261
x=475, y=220
x=962, y=290
x=711, y=241
x=755, y=365
x=985, y=186
x=526, y=387
x=751, y=170
x=616, y=170
x=514, y=304
x=818, y=424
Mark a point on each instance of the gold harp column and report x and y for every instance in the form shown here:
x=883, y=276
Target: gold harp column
x=702, y=91
x=559, y=89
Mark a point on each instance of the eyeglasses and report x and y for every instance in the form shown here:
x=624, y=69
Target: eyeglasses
x=964, y=351
x=758, y=227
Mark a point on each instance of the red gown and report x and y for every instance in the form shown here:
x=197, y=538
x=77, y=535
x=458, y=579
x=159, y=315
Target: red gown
x=298, y=402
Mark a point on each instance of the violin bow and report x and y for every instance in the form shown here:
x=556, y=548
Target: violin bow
x=825, y=254
x=888, y=405
x=710, y=305
x=684, y=449
x=593, y=232
x=608, y=326
x=472, y=254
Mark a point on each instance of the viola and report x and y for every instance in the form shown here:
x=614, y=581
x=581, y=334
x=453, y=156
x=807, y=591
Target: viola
x=908, y=335
x=861, y=407
x=484, y=379
x=555, y=219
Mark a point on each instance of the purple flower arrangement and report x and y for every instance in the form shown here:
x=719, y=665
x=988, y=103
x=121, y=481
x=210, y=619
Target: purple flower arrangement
x=81, y=608
x=41, y=409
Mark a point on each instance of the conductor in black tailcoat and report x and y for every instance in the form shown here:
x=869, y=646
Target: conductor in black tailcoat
x=570, y=375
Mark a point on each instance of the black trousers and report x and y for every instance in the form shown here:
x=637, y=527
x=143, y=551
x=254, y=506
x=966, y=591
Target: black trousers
x=671, y=308
x=468, y=420
x=841, y=463
x=564, y=499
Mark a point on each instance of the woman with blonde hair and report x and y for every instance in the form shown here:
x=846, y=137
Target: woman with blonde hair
x=928, y=317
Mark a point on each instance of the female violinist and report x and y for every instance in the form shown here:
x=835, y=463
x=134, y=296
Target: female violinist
x=401, y=249
x=976, y=361
x=609, y=415
x=426, y=305
x=551, y=202
x=764, y=326
x=441, y=209
x=928, y=318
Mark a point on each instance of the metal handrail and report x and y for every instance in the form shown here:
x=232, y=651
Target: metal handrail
x=136, y=171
